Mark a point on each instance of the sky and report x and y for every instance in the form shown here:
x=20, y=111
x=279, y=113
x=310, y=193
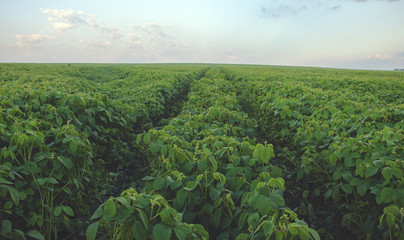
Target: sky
x=357, y=34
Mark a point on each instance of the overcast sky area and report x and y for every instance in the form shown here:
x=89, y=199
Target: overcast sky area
x=359, y=34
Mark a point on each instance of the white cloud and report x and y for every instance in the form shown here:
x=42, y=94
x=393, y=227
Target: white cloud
x=62, y=26
x=63, y=20
x=28, y=40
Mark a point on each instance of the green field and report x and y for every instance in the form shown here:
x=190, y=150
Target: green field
x=200, y=151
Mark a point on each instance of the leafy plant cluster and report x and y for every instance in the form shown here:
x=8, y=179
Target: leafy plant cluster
x=102, y=151
x=208, y=178
x=65, y=145
x=339, y=140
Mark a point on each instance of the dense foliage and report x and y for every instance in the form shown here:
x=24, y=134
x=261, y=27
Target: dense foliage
x=200, y=151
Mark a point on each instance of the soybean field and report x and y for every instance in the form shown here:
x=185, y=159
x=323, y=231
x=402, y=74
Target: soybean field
x=200, y=151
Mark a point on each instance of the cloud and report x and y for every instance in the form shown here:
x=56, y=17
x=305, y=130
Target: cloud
x=63, y=20
x=62, y=26
x=381, y=57
x=279, y=8
x=153, y=30
x=23, y=41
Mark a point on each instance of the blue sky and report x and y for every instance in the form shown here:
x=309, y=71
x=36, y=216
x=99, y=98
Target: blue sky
x=362, y=34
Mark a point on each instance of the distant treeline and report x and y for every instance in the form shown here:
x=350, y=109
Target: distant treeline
x=398, y=69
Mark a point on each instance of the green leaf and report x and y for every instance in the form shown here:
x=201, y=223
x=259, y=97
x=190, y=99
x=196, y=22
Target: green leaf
x=346, y=188
x=398, y=173
x=73, y=146
x=139, y=230
x=263, y=204
x=216, y=217
x=355, y=181
x=387, y=173
x=333, y=159
x=161, y=232
x=144, y=217
x=91, y=231
x=378, y=163
x=58, y=211
x=98, y=213
x=159, y=183
x=154, y=148
x=268, y=227
x=181, y=197
x=362, y=189
x=314, y=234
x=109, y=209
x=35, y=234
x=386, y=194
x=214, y=193
x=262, y=153
x=183, y=232
x=6, y=227
x=242, y=236
x=191, y=185
x=169, y=216
x=68, y=210
x=146, y=138
x=123, y=201
x=67, y=162
x=370, y=171
x=15, y=196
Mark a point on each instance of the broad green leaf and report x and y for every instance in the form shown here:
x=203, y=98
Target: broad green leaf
x=214, y=193
x=73, y=146
x=370, y=171
x=242, y=236
x=362, y=189
x=314, y=234
x=146, y=138
x=67, y=162
x=378, y=163
x=333, y=159
x=346, y=188
x=169, y=216
x=268, y=227
x=68, y=210
x=58, y=211
x=159, y=183
x=398, y=173
x=181, y=197
x=182, y=232
x=387, y=173
x=386, y=194
x=262, y=153
x=191, y=185
x=91, y=231
x=154, y=148
x=123, y=201
x=35, y=234
x=109, y=209
x=6, y=227
x=161, y=232
x=139, y=230
x=15, y=196
x=144, y=217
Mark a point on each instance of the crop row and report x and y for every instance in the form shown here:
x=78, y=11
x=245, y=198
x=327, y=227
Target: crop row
x=208, y=178
x=63, y=143
x=340, y=143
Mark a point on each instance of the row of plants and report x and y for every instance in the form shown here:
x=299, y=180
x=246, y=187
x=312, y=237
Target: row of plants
x=64, y=144
x=339, y=142
x=208, y=178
